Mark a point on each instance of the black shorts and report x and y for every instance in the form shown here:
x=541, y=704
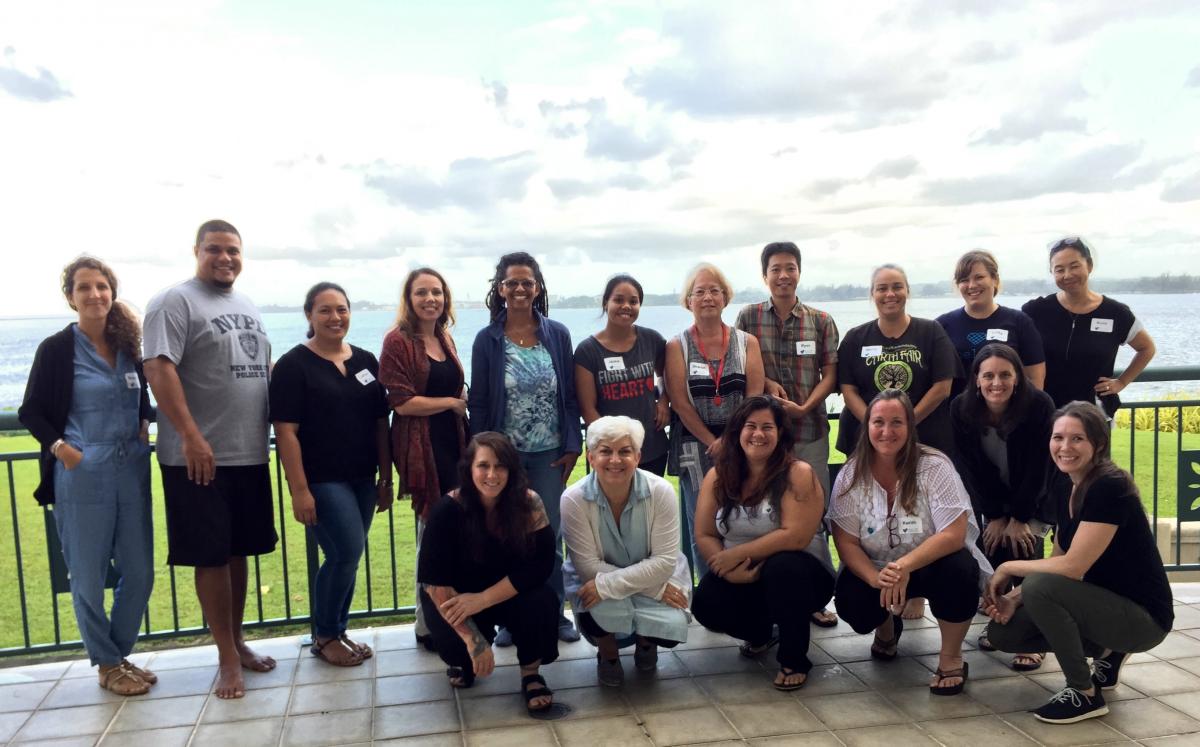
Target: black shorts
x=209, y=524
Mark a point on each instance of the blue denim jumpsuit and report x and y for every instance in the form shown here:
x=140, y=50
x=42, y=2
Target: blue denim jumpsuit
x=102, y=506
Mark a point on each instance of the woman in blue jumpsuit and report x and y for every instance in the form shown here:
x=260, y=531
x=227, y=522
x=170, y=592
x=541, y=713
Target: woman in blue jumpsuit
x=86, y=403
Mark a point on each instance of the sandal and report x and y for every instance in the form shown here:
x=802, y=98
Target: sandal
x=781, y=684
x=1031, y=663
x=608, y=671
x=361, y=649
x=984, y=643
x=318, y=650
x=944, y=674
x=825, y=619
x=886, y=650
x=645, y=658
x=752, y=650
x=426, y=642
x=150, y=678
x=537, y=692
x=122, y=681
x=465, y=678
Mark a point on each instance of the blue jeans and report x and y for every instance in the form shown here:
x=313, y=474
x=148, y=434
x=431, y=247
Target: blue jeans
x=547, y=482
x=102, y=512
x=344, y=513
x=690, y=494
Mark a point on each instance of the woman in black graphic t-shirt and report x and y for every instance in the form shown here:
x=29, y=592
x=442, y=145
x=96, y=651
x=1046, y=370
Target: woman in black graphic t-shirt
x=1082, y=331
x=615, y=371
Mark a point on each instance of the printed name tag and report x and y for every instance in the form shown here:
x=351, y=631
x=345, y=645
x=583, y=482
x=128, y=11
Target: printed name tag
x=806, y=347
x=1102, y=325
x=698, y=369
x=870, y=351
x=910, y=525
x=364, y=377
x=131, y=381
x=614, y=364
x=998, y=334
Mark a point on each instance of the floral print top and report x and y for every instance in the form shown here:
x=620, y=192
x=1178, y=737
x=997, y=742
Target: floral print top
x=531, y=394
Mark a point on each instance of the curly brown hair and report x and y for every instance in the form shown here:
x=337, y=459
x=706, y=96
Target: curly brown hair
x=121, y=330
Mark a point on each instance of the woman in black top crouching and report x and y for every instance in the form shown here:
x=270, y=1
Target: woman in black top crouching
x=1103, y=592
x=487, y=554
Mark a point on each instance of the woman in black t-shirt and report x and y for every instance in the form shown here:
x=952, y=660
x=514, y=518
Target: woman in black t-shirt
x=1082, y=331
x=330, y=419
x=486, y=559
x=615, y=371
x=1103, y=591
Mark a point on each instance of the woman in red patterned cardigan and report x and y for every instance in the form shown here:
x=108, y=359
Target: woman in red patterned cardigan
x=424, y=378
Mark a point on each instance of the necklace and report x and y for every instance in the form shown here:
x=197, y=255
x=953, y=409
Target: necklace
x=715, y=375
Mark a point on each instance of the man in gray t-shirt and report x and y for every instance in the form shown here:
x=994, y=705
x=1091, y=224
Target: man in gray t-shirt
x=207, y=358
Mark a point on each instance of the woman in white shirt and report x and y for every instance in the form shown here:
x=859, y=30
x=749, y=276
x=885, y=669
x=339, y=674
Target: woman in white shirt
x=904, y=527
x=629, y=580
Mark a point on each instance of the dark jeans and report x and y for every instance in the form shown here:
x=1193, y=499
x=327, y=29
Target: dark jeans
x=530, y=616
x=1074, y=619
x=791, y=587
x=592, y=631
x=344, y=513
x=950, y=583
x=547, y=482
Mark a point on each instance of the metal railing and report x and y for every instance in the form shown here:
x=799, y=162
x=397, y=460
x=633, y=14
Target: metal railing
x=32, y=619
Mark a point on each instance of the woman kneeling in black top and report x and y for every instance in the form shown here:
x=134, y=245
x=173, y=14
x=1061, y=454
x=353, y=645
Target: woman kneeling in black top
x=485, y=559
x=1121, y=606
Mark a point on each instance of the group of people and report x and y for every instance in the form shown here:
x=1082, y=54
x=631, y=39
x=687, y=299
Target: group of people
x=959, y=465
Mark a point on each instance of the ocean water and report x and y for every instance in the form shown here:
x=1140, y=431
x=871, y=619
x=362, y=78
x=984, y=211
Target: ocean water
x=1170, y=319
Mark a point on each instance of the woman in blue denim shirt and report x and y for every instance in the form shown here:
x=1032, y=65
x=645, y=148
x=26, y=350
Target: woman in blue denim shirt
x=86, y=402
x=523, y=385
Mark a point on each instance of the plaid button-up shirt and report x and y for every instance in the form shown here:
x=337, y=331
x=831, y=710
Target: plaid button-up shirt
x=793, y=351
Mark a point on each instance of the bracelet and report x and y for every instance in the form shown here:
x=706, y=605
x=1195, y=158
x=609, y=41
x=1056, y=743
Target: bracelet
x=54, y=447
x=384, y=484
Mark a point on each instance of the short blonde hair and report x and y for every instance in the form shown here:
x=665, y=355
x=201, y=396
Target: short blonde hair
x=612, y=428
x=690, y=281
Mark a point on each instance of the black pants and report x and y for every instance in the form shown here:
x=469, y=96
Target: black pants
x=658, y=465
x=531, y=617
x=592, y=631
x=950, y=583
x=792, y=586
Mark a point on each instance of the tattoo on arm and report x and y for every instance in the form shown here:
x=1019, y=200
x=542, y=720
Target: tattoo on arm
x=469, y=631
x=538, y=512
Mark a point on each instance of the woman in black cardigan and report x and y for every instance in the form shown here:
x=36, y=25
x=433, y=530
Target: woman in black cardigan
x=1001, y=427
x=86, y=402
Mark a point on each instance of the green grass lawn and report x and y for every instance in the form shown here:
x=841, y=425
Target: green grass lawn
x=390, y=550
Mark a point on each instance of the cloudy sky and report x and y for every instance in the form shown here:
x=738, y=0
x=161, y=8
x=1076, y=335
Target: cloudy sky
x=353, y=140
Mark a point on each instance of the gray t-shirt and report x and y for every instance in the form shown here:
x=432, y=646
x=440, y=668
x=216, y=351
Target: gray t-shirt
x=216, y=339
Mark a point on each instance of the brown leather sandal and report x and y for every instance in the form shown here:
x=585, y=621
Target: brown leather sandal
x=122, y=681
x=362, y=649
x=150, y=677
x=318, y=650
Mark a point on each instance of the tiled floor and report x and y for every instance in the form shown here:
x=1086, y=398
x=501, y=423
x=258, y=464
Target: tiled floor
x=703, y=692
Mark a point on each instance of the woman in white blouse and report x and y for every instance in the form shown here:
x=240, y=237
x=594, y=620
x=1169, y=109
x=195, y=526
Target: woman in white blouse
x=904, y=527
x=630, y=581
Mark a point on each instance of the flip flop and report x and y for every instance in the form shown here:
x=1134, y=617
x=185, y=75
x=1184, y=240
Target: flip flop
x=752, y=650
x=818, y=619
x=943, y=674
x=887, y=650
x=788, y=672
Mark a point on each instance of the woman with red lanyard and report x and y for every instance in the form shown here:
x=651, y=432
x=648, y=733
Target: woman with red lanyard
x=711, y=368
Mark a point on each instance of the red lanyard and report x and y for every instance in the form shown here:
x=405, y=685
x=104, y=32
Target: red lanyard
x=716, y=375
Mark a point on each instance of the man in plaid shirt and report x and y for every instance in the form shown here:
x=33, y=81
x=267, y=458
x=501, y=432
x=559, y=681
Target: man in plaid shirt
x=799, y=350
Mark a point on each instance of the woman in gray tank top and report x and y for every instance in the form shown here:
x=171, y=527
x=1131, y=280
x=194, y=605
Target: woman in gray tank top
x=758, y=522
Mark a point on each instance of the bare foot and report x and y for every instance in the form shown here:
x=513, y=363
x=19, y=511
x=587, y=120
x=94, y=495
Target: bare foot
x=253, y=661
x=914, y=609
x=230, y=684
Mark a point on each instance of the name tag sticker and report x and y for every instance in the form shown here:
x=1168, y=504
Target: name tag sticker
x=910, y=525
x=698, y=369
x=1102, y=325
x=806, y=347
x=131, y=381
x=615, y=363
x=998, y=334
x=364, y=377
x=870, y=351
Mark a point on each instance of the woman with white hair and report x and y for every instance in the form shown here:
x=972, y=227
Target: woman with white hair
x=625, y=570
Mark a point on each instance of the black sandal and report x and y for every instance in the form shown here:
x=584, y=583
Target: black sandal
x=945, y=674
x=887, y=650
x=537, y=692
x=789, y=672
x=752, y=650
x=465, y=678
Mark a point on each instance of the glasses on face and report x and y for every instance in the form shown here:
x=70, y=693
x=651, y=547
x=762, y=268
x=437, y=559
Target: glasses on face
x=893, y=527
x=525, y=285
x=706, y=292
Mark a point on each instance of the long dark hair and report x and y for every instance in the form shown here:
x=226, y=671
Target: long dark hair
x=495, y=302
x=612, y=284
x=121, y=328
x=906, y=460
x=511, y=519
x=406, y=315
x=1095, y=427
x=977, y=409
x=733, y=469
x=310, y=300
